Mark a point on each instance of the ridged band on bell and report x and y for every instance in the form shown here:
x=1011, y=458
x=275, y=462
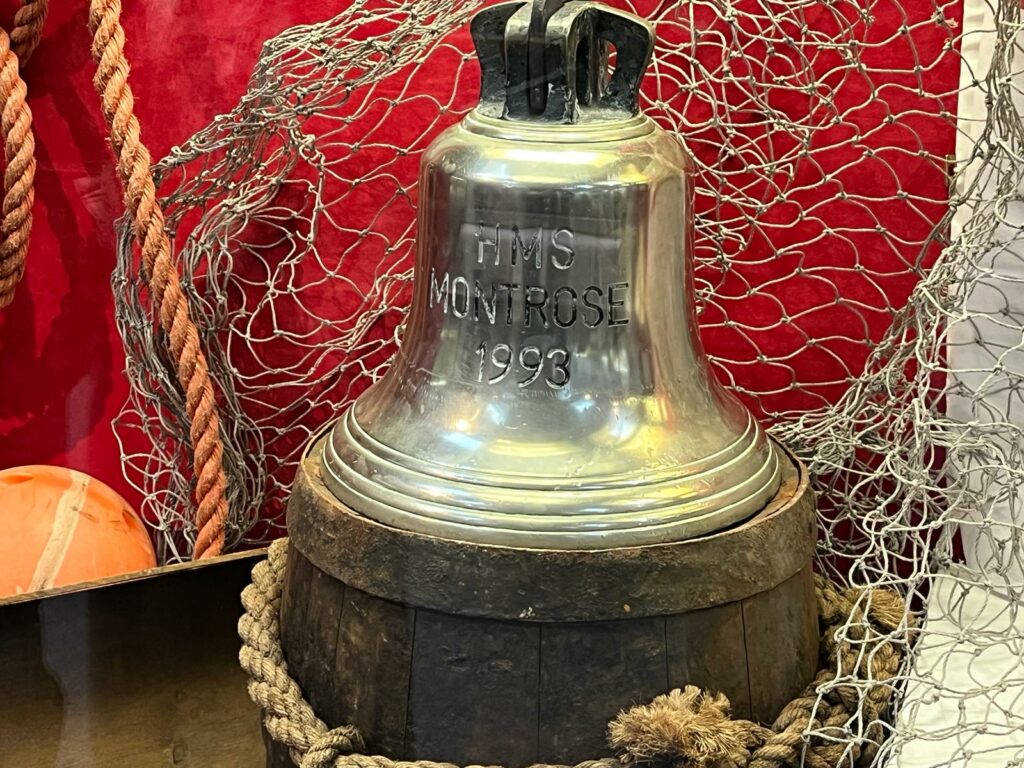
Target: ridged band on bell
x=551, y=389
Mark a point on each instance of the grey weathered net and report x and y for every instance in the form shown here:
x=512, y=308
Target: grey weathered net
x=861, y=285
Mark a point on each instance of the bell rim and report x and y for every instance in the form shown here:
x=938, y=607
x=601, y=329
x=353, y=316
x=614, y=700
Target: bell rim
x=369, y=447
x=635, y=523
x=560, y=515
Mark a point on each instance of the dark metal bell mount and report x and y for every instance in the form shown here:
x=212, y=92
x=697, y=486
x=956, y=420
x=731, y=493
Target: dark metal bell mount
x=551, y=390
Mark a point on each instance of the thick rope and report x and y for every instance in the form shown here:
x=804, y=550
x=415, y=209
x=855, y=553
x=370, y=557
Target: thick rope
x=683, y=729
x=28, y=28
x=133, y=169
x=19, y=145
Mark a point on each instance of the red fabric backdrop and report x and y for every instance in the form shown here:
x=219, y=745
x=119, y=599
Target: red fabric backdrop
x=61, y=361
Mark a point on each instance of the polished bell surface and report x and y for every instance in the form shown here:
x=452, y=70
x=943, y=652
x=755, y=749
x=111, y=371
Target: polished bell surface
x=551, y=389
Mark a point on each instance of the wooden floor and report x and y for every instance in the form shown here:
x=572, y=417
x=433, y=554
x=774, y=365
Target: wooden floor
x=135, y=674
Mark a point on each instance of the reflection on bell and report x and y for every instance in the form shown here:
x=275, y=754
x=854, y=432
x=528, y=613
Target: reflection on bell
x=551, y=390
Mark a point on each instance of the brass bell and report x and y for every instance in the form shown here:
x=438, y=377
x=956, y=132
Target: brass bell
x=551, y=390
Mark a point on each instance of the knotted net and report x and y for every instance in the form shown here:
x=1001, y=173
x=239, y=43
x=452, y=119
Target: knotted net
x=859, y=282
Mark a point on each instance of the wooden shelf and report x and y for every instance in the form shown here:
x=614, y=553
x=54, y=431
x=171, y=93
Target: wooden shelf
x=135, y=671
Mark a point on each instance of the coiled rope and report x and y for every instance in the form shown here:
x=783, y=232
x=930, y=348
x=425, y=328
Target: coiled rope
x=139, y=195
x=19, y=144
x=686, y=728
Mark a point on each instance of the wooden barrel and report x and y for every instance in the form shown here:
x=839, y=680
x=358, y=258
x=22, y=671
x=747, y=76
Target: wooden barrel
x=468, y=653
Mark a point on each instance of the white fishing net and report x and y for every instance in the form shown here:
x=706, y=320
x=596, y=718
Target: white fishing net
x=859, y=269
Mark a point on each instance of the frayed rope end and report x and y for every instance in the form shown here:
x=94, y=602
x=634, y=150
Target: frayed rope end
x=686, y=728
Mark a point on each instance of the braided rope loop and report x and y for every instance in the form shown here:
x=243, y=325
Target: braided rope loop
x=19, y=175
x=28, y=28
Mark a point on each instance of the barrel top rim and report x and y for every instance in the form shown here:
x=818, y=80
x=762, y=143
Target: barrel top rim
x=507, y=582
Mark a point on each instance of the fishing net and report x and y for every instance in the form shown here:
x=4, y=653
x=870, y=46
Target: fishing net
x=859, y=278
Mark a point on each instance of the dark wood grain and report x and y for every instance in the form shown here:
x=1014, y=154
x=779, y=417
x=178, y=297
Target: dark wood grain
x=278, y=755
x=325, y=603
x=473, y=692
x=294, y=599
x=371, y=670
x=589, y=672
x=781, y=631
x=707, y=648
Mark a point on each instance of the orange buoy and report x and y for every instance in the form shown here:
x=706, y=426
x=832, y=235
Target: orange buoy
x=59, y=527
